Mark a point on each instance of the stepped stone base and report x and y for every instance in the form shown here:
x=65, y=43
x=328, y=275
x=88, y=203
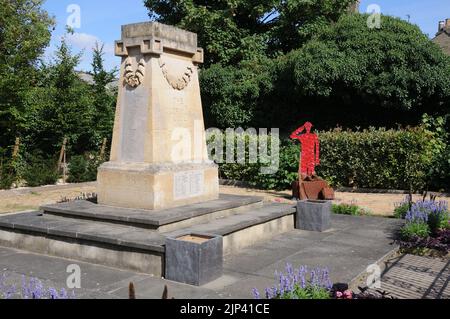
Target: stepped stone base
x=135, y=239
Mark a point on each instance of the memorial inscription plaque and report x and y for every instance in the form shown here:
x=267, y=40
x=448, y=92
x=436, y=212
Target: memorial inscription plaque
x=188, y=184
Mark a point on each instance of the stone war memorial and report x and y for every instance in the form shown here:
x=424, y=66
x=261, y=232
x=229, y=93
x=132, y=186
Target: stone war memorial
x=159, y=210
x=159, y=157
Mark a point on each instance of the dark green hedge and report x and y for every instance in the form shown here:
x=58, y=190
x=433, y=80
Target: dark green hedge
x=374, y=158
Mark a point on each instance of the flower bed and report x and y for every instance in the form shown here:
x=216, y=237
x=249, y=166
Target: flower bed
x=427, y=228
x=315, y=284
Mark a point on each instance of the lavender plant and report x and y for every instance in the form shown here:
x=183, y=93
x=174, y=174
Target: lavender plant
x=299, y=284
x=402, y=208
x=433, y=213
x=31, y=289
x=6, y=291
x=426, y=218
x=417, y=214
x=438, y=216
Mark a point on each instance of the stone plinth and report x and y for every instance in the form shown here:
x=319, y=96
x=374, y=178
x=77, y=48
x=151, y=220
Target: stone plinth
x=158, y=155
x=194, y=259
x=313, y=215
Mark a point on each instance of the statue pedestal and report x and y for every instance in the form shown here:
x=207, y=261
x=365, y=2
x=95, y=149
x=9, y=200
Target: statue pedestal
x=159, y=156
x=151, y=186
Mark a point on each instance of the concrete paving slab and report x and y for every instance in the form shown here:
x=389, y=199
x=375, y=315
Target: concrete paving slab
x=229, y=278
x=55, y=270
x=7, y=252
x=346, y=221
x=244, y=262
x=343, y=263
x=153, y=288
x=118, y=285
x=347, y=249
x=242, y=289
x=351, y=239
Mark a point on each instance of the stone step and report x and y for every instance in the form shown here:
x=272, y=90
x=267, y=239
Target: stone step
x=227, y=225
x=135, y=248
x=118, y=246
x=161, y=220
x=243, y=230
x=55, y=226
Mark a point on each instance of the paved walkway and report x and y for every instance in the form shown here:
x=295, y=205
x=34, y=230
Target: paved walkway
x=347, y=249
x=416, y=277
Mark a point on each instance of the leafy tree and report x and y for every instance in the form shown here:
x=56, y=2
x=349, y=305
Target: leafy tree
x=60, y=105
x=354, y=75
x=238, y=30
x=232, y=95
x=104, y=96
x=25, y=31
x=347, y=74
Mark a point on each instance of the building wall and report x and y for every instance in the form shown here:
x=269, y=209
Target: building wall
x=443, y=40
x=355, y=7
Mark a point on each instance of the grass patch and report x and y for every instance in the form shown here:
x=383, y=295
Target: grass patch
x=350, y=209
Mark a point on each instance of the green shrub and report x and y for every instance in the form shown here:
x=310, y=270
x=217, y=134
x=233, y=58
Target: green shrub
x=92, y=168
x=374, y=158
x=349, y=209
x=415, y=230
x=314, y=293
x=83, y=168
x=439, y=173
x=438, y=221
x=434, y=213
x=7, y=177
x=40, y=171
x=401, y=210
x=77, y=169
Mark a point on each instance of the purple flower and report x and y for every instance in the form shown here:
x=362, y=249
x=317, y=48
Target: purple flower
x=25, y=289
x=10, y=292
x=290, y=271
x=53, y=293
x=269, y=294
x=422, y=211
x=63, y=294
x=33, y=289
x=289, y=283
x=256, y=293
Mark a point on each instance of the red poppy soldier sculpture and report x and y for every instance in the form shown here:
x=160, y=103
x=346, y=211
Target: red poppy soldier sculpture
x=309, y=185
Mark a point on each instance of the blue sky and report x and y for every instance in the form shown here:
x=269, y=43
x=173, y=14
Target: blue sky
x=101, y=21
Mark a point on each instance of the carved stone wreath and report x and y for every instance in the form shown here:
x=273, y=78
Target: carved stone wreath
x=132, y=78
x=178, y=81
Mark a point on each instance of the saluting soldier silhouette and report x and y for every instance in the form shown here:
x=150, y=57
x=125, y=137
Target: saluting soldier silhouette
x=310, y=150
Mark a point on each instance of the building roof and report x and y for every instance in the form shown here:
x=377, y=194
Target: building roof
x=442, y=37
x=443, y=40
x=88, y=78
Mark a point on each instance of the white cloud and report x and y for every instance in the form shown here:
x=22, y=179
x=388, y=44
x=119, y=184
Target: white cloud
x=84, y=41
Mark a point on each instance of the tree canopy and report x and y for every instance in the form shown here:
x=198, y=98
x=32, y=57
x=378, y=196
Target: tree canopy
x=60, y=105
x=347, y=74
x=25, y=31
x=231, y=31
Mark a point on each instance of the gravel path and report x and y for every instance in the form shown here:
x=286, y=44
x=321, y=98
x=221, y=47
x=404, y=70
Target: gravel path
x=31, y=198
